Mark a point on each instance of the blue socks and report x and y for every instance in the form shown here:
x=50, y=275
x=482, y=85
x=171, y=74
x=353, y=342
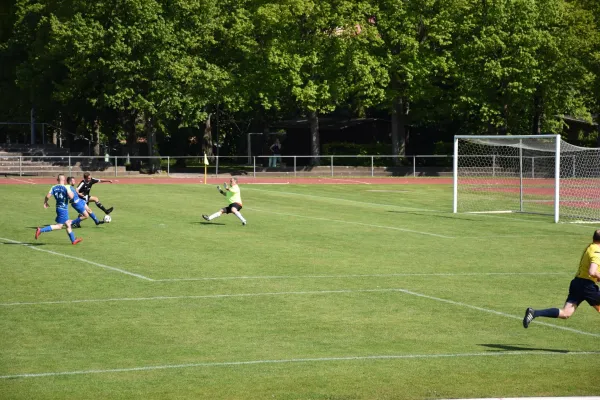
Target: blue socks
x=93, y=216
x=71, y=236
x=46, y=229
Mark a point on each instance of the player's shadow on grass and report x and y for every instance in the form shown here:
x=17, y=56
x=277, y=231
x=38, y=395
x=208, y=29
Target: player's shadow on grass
x=508, y=347
x=208, y=223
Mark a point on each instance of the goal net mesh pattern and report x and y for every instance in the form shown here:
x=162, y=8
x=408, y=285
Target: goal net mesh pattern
x=518, y=175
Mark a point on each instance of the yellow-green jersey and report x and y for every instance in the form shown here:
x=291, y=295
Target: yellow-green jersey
x=233, y=194
x=590, y=255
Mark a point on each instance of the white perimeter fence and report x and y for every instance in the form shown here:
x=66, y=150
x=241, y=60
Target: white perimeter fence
x=288, y=166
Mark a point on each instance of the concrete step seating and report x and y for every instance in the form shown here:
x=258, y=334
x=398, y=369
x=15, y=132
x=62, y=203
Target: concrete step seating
x=47, y=160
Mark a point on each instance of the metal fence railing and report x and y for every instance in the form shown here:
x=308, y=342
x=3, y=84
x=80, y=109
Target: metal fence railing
x=291, y=166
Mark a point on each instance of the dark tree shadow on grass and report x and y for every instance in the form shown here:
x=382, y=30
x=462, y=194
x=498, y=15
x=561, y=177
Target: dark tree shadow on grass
x=435, y=214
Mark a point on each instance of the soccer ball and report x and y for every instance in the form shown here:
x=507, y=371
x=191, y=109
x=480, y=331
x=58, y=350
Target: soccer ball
x=107, y=219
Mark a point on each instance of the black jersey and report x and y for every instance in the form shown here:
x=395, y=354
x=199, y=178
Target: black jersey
x=84, y=187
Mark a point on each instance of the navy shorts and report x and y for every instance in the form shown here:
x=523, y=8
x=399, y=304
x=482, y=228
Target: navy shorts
x=583, y=289
x=238, y=206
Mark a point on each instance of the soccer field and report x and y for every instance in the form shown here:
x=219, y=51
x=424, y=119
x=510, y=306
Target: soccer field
x=330, y=292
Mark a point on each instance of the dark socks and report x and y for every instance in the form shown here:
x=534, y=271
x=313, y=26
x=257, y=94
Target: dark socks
x=548, y=312
x=100, y=206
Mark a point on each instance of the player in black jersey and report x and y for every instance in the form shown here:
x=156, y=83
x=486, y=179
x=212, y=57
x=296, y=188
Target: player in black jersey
x=84, y=187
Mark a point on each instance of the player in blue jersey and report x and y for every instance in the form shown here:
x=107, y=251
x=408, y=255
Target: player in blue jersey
x=62, y=194
x=80, y=206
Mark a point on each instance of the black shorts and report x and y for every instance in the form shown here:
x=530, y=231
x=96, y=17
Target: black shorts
x=583, y=289
x=238, y=207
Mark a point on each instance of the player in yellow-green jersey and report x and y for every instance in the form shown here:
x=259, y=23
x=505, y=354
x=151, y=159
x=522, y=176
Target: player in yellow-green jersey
x=234, y=198
x=584, y=287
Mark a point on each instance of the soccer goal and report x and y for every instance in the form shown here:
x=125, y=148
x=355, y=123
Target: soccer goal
x=538, y=174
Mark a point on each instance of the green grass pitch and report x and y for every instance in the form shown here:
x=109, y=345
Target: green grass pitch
x=330, y=292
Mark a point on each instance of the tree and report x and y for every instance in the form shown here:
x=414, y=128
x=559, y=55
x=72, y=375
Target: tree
x=518, y=65
x=312, y=54
x=418, y=36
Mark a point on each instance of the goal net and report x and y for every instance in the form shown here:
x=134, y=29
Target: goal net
x=539, y=174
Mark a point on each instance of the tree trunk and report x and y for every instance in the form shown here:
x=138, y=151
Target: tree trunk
x=398, y=130
x=536, y=127
x=130, y=121
x=315, y=142
x=150, y=128
x=55, y=132
x=598, y=129
x=207, y=138
x=96, y=136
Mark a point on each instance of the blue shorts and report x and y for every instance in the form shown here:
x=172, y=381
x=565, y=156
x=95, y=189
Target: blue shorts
x=583, y=290
x=62, y=215
x=79, y=206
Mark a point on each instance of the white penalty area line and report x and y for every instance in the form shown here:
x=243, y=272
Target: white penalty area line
x=79, y=259
x=303, y=360
x=338, y=200
x=303, y=293
x=266, y=183
x=267, y=277
x=345, y=180
x=395, y=228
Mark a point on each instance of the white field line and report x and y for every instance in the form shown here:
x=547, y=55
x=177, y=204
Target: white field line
x=535, y=398
x=24, y=181
x=388, y=191
x=345, y=180
x=79, y=259
x=338, y=200
x=301, y=293
x=402, y=209
x=266, y=277
x=302, y=360
x=266, y=183
x=526, y=220
x=395, y=228
x=488, y=237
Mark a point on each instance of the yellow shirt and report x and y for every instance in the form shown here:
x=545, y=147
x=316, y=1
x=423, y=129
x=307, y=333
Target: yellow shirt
x=590, y=255
x=233, y=195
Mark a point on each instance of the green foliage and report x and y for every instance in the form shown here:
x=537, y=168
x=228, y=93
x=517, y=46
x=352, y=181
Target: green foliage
x=354, y=149
x=443, y=148
x=366, y=149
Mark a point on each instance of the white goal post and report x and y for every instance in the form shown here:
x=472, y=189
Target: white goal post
x=537, y=174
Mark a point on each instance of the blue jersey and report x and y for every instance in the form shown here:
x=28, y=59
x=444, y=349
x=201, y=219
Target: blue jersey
x=77, y=203
x=75, y=195
x=61, y=194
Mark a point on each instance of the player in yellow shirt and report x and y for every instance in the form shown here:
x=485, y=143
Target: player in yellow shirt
x=583, y=287
x=235, y=201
